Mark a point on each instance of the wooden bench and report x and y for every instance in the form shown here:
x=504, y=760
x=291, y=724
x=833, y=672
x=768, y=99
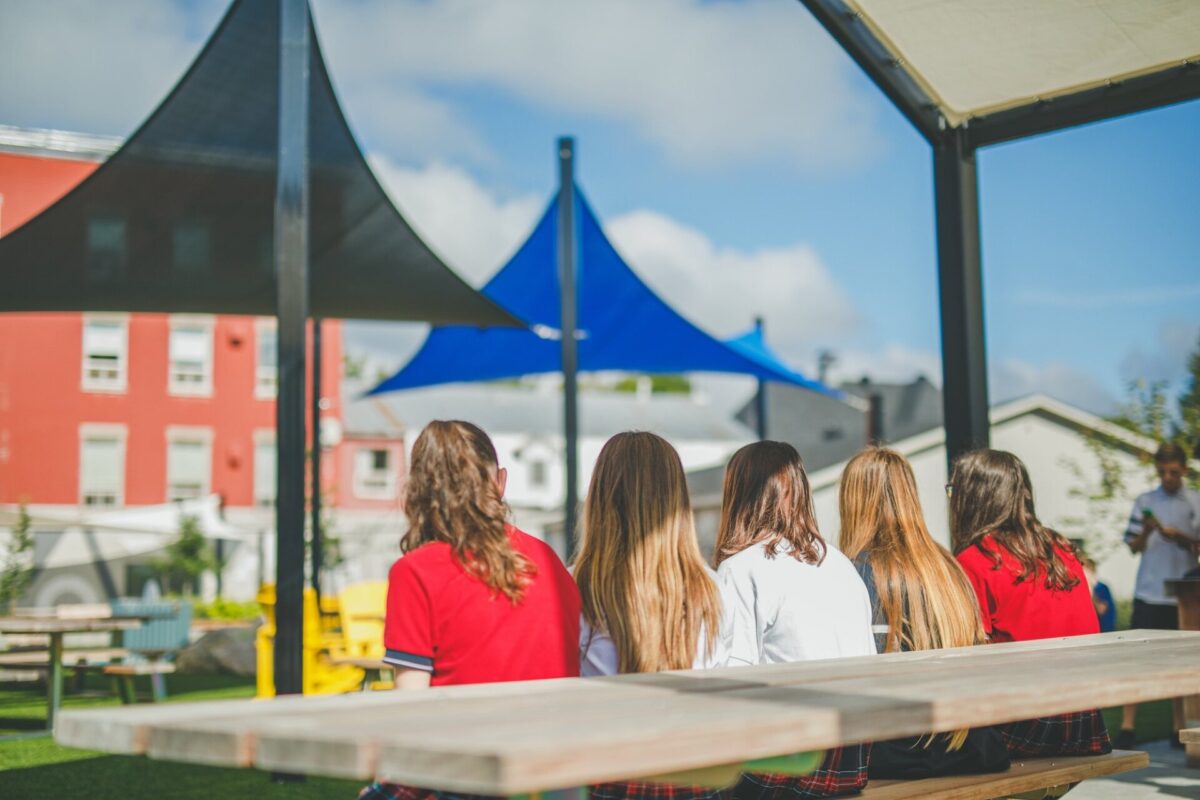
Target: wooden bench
x=1045, y=777
x=123, y=675
x=1191, y=740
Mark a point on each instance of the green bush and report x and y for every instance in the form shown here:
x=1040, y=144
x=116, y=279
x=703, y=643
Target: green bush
x=227, y=610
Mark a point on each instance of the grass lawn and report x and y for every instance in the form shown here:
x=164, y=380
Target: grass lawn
x=39, y=768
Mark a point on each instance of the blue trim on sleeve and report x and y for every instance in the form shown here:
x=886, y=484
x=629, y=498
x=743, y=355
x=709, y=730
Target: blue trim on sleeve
x=398, y=658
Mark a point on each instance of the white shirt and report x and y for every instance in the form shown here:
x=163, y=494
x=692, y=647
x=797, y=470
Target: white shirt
x=598, y=653
x=783, y=610
x=1163, y=560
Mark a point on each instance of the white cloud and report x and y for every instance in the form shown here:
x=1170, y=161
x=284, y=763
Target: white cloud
x=708, y=82
x=1119, y=298
x=893, y=363
x=1166, y=358
x=724, y=289
x=1013, y=378
x=97, y=67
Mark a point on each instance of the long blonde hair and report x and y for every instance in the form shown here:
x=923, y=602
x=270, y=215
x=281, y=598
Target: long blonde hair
x=640, y=573
x=924, y=595
x=452, y=496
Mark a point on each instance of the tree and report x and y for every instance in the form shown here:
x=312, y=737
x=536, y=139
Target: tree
x=187, y=558
x=1189, y=406
x=17, y=571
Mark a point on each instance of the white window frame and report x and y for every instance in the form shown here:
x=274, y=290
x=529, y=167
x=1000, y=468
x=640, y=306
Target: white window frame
x=103, y=430
x=176, y=385
x=89, y=380
x=190, y=433
x=263, y=437
x=373, y=484
x=266, y=378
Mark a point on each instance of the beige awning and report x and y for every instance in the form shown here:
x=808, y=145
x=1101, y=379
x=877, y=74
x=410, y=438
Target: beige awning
x=977, y=57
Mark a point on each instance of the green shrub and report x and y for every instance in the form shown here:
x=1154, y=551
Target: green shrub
x=227, y=610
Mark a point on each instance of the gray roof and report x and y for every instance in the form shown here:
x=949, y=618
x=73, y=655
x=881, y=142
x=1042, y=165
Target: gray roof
x=827, y=431
x=500, y=408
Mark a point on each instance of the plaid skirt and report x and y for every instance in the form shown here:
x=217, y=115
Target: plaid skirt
x=397, y=791
x=1079, y=734
x=842, y=772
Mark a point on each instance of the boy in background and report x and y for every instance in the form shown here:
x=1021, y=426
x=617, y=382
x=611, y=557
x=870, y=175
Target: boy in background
x=1164, y=528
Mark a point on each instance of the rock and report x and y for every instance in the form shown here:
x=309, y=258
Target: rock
x=228, y=650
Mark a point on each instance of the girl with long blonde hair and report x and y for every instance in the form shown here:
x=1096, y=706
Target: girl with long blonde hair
x=649, y=602
x=921, y=600
x=790, y=597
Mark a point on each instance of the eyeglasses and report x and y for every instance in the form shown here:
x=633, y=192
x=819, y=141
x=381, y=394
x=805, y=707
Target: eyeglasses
x=949, y=490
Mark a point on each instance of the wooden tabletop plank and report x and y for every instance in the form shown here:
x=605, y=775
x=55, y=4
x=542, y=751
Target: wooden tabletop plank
x=40, y=625
x=1023, y=776
x=512, y=738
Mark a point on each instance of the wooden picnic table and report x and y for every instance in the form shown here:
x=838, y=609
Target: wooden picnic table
x=1187, y=592
x=514, y=738
x=56, y=629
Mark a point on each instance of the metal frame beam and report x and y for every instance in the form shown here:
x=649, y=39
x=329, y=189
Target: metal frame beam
x=291, y=268
x=848, y=29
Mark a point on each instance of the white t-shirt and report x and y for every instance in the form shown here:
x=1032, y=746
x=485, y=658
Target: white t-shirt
x=598, y=654
x=783, y=610
x=1163, y=560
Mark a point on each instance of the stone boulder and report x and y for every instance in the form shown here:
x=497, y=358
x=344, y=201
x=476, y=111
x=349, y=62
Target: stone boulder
x=227, y=650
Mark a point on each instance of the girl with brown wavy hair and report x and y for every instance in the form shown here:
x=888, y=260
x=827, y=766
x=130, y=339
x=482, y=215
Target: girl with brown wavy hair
x=1028, y=582
x=922, y=600
x=789, y=596
x=473, y=599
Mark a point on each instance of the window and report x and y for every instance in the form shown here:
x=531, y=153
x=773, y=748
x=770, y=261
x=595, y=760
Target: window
x=101, y=465
x=537, y=474
x=373, y=475
x=264, y=469
x=188, y=463
x=106, y=251
x=191, y=349
x=105, y=348
x=190, y=248
x=265, y=374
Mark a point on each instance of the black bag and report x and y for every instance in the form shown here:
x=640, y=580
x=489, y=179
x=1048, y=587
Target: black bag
x=917, y=757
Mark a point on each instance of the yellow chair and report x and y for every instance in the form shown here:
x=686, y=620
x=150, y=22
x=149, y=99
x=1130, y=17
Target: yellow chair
x=362, y=608
x=322, y=642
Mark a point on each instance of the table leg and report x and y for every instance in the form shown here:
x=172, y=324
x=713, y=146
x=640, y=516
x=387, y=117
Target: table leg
x=54, y=682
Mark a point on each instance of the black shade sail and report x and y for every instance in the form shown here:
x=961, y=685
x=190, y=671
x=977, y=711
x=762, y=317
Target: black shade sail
x=180, y=219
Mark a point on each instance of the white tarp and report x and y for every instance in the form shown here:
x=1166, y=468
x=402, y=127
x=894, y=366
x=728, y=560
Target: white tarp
x=979, y=56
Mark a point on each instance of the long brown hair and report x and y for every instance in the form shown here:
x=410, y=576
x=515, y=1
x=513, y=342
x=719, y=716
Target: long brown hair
x=924, y=595
x=453, y=496
x=641, y=577
x=767, y=501
x=991, y=495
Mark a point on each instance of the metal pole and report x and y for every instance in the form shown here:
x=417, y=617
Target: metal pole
x=570, y=363
x=760, y=397
x=291, y=275
x=960, y=287
x=316, y=461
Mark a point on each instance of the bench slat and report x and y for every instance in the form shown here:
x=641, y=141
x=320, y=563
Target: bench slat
x=1024, y=776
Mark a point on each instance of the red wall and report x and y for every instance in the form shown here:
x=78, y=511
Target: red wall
x=42, y=406
x=30, y=183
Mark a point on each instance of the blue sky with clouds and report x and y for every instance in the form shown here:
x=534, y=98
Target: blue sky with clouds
x=742, y=162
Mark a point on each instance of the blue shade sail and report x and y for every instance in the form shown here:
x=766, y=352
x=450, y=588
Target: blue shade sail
x=623, y=324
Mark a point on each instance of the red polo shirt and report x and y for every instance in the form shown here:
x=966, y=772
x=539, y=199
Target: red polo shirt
x=1018, y=612
x=445, y=621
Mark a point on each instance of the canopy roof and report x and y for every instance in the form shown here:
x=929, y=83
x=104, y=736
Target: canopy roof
x=1021, y=66
x=623, y=324
x=181, y=218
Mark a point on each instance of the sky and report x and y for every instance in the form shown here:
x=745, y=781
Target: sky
x=741, y=163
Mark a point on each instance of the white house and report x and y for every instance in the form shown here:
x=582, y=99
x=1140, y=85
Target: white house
x=1052, y=438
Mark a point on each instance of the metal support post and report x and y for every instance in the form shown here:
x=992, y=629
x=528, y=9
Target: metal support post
x=760, y=397
x=570, y=362
x=291, y=275
x=960, y=284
